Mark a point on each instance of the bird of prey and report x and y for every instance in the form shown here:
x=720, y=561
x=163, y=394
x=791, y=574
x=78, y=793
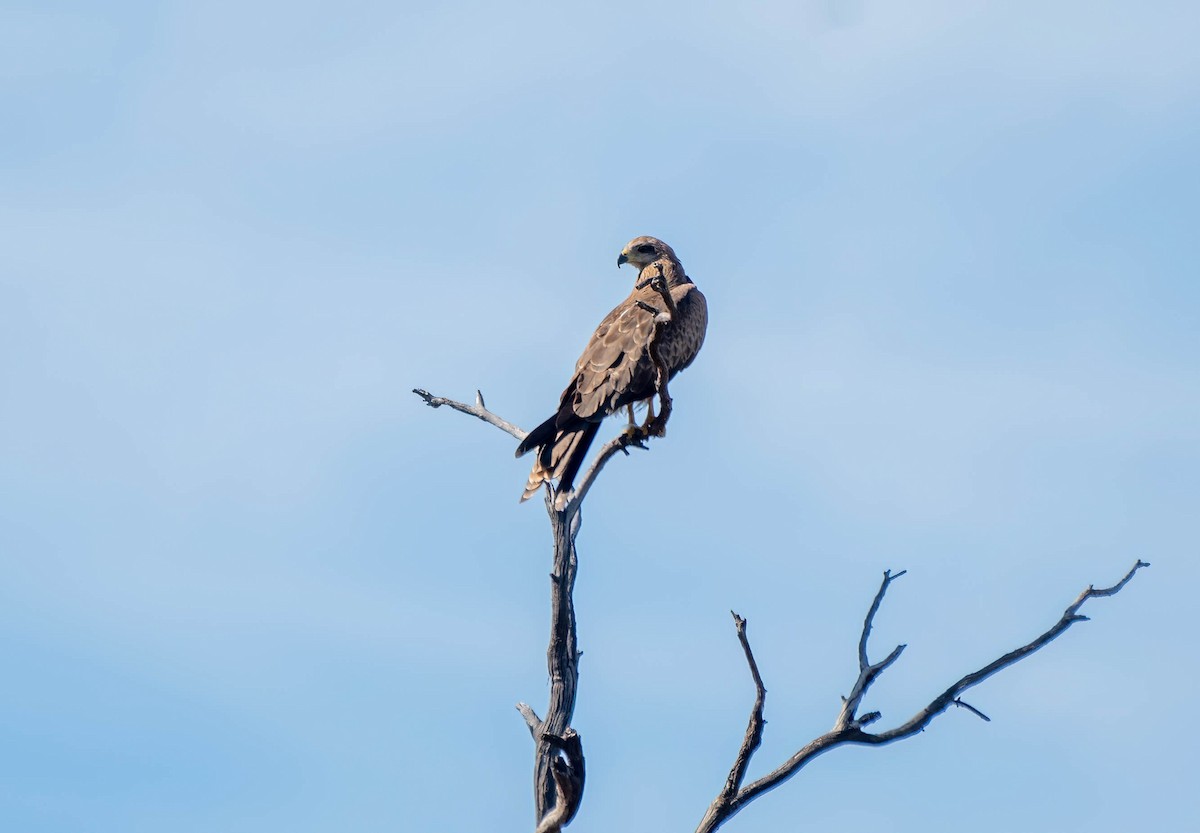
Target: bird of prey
x=616, y=369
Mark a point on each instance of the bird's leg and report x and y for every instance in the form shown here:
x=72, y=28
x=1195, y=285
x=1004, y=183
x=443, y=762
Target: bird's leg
x=632, y=418
x=649, y=414
x=659, y=426
x=655, y=280
x=658, y=282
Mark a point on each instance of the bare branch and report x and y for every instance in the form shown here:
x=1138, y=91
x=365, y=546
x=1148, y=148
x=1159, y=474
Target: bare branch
x=963, y=704
x=631, y=437
x=867, y=673
x=754, y=729
x=555, y=803
x=477, y=410
x=940, y=703
x=531, y=719
x=722, y=807
x=558, y=756
x=850, y=729
x=1093, y=593
x=888, y=578
x=569, y=773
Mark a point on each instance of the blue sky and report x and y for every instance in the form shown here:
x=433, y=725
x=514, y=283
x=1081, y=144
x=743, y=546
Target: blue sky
x=249, y=582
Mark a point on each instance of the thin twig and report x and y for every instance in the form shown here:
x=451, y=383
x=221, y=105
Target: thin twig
x=867, y=673
x=888, y=578
x=939, y=704
x=850, y=729
x=963, y=704
x=754, y=729
x=631, y=437
x=477, y=410
x=531, y=719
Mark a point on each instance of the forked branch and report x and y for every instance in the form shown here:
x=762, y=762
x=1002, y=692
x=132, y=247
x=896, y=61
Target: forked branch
x=849, y=727
x=559, y=765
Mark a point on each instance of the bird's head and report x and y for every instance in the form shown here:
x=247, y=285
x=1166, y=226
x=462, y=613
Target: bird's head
x=643, y=250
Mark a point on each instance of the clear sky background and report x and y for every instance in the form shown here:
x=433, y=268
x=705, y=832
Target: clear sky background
x=248, y=582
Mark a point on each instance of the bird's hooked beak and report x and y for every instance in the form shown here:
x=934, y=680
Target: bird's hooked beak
x=622, y=259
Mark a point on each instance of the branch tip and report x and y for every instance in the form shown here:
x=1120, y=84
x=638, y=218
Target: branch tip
x=427, y=396
x=478, y=410
x=531, y=719
x=848, y=728
x=754, y=727
x=867, y=719
x=963, y=704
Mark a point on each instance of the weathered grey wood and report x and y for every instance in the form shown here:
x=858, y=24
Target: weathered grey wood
x=754, y=729
x=849, y=726
x=559, y=766
x=558, y=754
x=562, y=661
x=478, y=410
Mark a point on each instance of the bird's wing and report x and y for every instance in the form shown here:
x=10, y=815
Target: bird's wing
x=615, y=368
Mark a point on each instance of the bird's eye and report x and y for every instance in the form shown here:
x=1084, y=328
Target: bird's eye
x=645, y=249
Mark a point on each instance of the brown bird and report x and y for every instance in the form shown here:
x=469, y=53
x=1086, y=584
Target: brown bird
x=616, y=369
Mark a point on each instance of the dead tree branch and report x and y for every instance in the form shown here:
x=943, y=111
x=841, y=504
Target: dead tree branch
x=568, y=771
x=631, y=437
x=849, y=725
x=754, y=729
x=478, y=410
x=558, y=756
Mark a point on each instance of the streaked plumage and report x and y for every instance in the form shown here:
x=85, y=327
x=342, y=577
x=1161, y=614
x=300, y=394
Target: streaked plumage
x=616, y=368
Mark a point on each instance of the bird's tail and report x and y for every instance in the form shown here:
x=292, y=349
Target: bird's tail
x=561, y=459
x=538, y=437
